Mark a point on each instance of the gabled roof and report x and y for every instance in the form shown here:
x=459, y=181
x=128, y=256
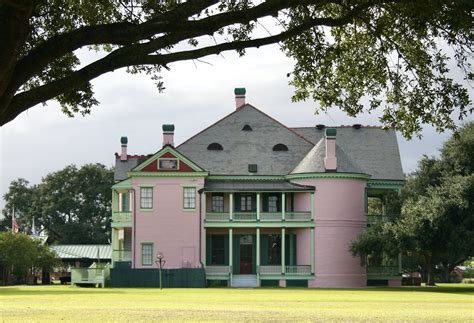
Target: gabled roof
x=83, y=251
x=313, y=162
x=241, y=148
x=373, y=149
x=122, y=167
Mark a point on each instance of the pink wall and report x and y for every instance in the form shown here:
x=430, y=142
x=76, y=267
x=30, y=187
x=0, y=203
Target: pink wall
x=303, y=246
x=172, y=230
x=340, y=218
x=302, y=202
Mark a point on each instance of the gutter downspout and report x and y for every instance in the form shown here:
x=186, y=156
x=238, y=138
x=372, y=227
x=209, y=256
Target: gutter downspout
x=200, y=227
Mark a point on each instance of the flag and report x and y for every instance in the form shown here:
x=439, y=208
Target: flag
x=15, y=228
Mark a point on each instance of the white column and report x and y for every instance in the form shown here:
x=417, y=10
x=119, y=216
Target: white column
x=311, y=200
x=258, y=256
x=283, y=264
x=230, y=250
x=231, y=206
x=283, y=203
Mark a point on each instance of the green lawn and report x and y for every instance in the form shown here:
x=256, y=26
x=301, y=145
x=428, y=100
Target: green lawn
x=55, y=303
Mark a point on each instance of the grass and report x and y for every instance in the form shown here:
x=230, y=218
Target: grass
x=454, y=302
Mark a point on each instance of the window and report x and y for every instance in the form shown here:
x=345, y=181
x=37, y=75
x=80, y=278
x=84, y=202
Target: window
x=189, y=197
x=125, y=202
x=217, y=203
x=215, y=146
x=167, y=163
x=280, y=147
x=247, y=128
x=273, y=203
x=147, y=254
x=146, y=197
x=217, y=254
x=246, y=203
x=252, y=168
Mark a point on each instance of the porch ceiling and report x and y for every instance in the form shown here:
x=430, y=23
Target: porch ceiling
x=255, y=186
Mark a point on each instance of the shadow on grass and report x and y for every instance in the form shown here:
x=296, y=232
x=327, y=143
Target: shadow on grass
x=465, y=290
x=53, y=290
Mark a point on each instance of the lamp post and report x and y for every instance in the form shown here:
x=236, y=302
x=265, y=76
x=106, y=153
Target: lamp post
x=160, y=261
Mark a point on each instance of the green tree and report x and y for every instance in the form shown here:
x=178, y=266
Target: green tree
x=73, y=205
x=436, y=227
x=23, y=256
x=393, y=53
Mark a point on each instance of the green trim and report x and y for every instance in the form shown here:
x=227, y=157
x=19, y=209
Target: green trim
x=163, y=151
x=287, y=277
x=125, y=184
x=239, y=91
x=141, y=251
x=168, y=127
x=385, y=184
x=331, y=132
x=167, y=174
x=229, y=190
x=246, y=177
x=363, y=177
x=254, y=224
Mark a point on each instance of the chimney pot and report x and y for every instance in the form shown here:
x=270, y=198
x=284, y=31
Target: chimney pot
x=330, y=161
x=168, y=134
x=123, y=155
x=239, y=97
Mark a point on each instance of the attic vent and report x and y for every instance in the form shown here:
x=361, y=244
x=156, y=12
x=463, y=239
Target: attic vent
x=247, y=128
x=252, y=168
x=280, y=147
x=215, y=146
x=320, y=126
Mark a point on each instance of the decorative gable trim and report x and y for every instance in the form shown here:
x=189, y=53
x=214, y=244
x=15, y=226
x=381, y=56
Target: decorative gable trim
x=168, y=152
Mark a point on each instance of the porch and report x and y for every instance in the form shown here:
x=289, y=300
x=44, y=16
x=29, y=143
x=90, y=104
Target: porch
x=264, y=253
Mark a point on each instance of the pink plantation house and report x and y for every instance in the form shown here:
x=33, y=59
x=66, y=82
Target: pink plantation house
x=249, y=201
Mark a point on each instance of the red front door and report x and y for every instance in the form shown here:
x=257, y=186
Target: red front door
x=246, y=259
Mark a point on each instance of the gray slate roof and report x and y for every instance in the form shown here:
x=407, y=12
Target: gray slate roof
x=83, y=251
x=253, y=186
x=122, y=167
x=242, y=148
x=374, y=150
x=367, y=150
x=313, y=162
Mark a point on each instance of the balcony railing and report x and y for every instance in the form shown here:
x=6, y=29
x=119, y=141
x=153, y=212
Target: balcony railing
x=217, y=270
x=122, y=217
x=122, y=255
x=252, y=216
x=289, y=270
x=383, y=271
x=376, y=218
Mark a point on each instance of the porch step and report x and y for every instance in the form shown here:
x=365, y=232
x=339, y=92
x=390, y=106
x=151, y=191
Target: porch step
x=247, y=281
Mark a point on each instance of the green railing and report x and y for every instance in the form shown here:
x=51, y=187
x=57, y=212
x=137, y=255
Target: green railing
x=383, y=271
x=217, y=270
x=122, y=217
x=378, y=218
x=289, y=270
x=122, y=255
x=95, y=276
x=252, y=216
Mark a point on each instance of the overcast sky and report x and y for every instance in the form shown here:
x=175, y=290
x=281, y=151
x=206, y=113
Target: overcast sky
x=44, y=140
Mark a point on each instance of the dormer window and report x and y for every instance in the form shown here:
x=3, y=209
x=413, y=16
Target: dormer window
x=215, y=146
x=280, y=147
x=247, y=128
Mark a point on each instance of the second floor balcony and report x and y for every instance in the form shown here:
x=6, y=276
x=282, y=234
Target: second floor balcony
x=249, y=203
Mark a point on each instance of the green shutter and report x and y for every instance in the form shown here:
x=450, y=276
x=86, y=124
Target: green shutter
x=236, y=255
x=254, y=254
x=226, y=250
x=125, y=202
x=287, y=248
x=237, y=202
x=208, y=249
x=265, y=202
x=264, y=250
